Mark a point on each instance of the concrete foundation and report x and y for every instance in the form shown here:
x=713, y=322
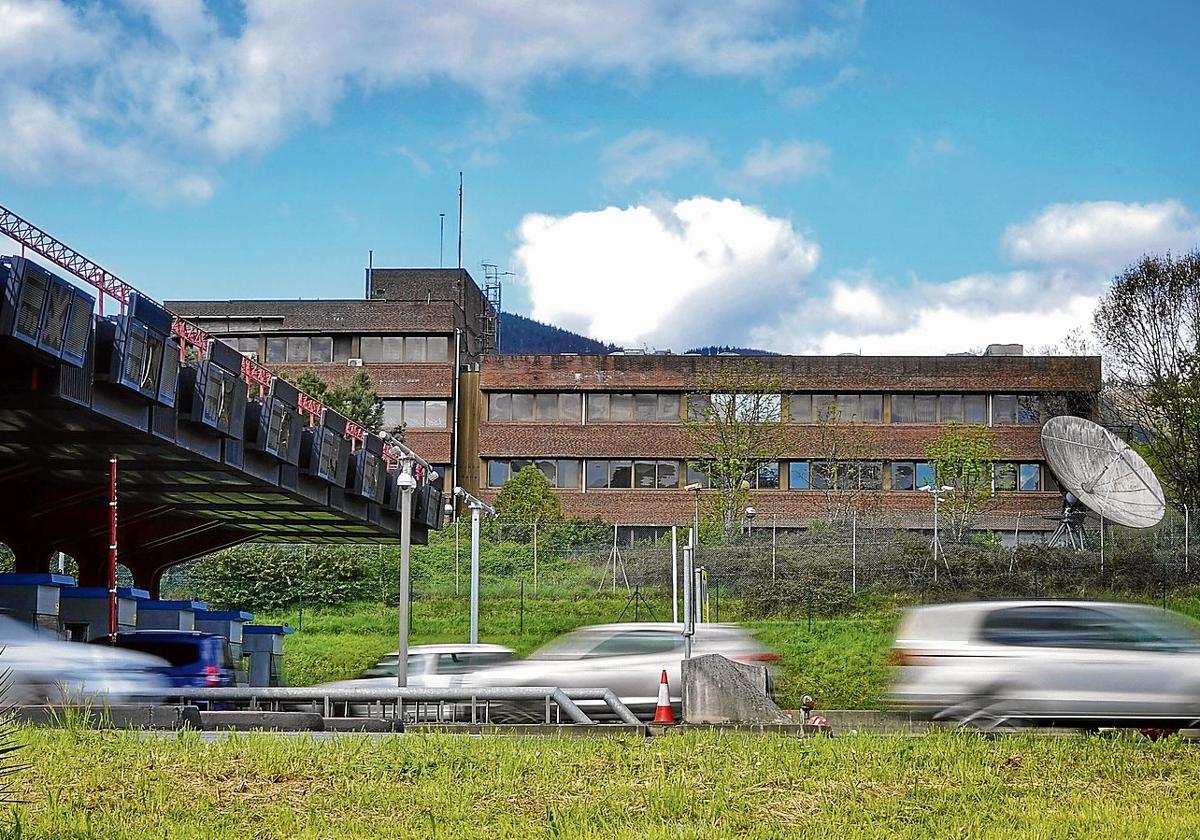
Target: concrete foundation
x=719, y=690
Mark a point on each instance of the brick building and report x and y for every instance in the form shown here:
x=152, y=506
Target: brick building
x=608, y=431
x=418, y=334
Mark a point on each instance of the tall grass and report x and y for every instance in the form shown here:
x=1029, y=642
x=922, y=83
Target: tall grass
x=696, y=785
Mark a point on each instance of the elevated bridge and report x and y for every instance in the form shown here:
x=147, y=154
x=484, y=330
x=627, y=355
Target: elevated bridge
x=210, y=448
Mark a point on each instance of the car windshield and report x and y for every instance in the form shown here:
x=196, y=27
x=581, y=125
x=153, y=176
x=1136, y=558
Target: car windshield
x=571, y=646
x=589, y=644
x=1171, y=629
x=386, y=667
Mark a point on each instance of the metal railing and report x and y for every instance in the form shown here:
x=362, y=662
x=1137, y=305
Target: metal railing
x=426, y=705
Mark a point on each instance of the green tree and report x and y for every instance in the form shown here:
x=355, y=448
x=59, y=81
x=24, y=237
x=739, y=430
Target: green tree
x=1149, y=326
x=528, y=497
x=734, y=424
x=841, y=472
x=357, y=399
x=964, y=457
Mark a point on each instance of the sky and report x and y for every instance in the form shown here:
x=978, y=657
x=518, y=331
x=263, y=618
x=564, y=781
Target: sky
x=804, y=177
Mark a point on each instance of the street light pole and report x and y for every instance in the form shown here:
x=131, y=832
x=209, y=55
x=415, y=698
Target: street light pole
x=936, y=545
x=477, y=507
x=406, y=484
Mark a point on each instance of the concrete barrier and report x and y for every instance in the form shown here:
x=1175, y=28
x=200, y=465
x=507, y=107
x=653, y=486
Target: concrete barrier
x=719, y=690
x=247, y=721
x=113, y=717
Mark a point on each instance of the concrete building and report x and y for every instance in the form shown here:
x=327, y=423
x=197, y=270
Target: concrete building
x=418, y=334
x=608, y=431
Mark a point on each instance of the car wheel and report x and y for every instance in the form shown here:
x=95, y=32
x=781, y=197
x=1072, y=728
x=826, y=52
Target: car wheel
x=988, y=715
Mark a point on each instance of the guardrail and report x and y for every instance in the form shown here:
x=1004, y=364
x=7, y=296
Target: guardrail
x=447, y=703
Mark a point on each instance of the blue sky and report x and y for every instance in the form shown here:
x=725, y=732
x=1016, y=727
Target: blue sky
x=808, y=177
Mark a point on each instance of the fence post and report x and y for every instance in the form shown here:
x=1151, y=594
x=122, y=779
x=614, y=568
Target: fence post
x=716, y=599
x=637, y=598
x=457, y=591
x=522, y=607
x=300, y=620
x=1186, y=527
x=535, y=524
x=774, y=541
x=854, y=552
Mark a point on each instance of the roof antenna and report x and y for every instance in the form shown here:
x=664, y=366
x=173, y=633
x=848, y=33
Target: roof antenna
x=460, y=217
x=441, y=238
x=370, y=269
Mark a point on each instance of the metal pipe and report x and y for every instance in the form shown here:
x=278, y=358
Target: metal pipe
x=474, y=634
x=535, y=556
x=854, y=552
x=454, y=460
x=674, y=578
x=697, y=595
x=112, y=549
x=689, y=622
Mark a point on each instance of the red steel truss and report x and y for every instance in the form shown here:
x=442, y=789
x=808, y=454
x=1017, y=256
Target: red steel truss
x=37, y=240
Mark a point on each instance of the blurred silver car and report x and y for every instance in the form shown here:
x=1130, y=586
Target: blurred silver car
x=627, y=658
x=1066, y=663
x=429, y=666
x=41, y=668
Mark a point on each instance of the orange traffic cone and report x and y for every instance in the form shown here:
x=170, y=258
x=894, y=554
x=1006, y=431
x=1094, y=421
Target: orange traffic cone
x=663, y=713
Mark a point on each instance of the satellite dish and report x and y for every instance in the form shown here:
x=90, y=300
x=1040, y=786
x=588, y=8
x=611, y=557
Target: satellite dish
x=1100, y=471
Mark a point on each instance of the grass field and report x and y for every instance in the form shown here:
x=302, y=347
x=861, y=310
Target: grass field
x=88, y=784
x=841, y=661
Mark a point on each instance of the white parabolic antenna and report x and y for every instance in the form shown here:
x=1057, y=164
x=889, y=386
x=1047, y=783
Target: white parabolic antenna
x=1098, y=469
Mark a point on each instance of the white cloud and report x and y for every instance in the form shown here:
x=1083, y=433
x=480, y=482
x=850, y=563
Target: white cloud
x=786, y=162
x=802, y=96
x=709, y=271
x=651, y=155
x=925, y=148
x=165, y=81
x=1107, y=233
x=668, y=275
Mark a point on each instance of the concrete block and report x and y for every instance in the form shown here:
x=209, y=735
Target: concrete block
x=114, y=717
x=719, y=690
x=362, y=724
x=247, y=721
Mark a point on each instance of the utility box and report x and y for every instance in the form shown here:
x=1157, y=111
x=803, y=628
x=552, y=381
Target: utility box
x=263, y=646
x=168, y=615
x=33, y=598
x=83, y=611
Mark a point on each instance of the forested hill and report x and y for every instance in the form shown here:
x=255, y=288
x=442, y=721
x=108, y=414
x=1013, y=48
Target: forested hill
x=713, y=350
x=519, y=334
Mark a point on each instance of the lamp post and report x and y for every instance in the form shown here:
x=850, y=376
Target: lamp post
x=477, y=507
x=689, y=565
x=936, y=544
x=750, y=514
x=406, y=485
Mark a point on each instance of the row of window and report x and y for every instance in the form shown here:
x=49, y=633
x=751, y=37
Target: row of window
x=325, y=349
x=415, y=414
x=653, y=407
x=665, y=474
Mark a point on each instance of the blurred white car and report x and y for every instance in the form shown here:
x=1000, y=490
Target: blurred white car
x=41, y=668
x=1066, y=663
x=429, y=666
x=627, y=658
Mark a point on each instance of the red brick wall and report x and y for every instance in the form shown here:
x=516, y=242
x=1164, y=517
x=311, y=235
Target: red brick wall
x=431, y=380
x=911, y=508
x=999, y=374
x=667, y=440
x=431, y=444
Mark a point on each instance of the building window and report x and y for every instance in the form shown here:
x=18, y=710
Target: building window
x=767, y=477
x=800, y=408
x=560, y=473
x=924, y=474
x=637, y=475
x=798, y=475
x=1031, y=478
x=640, y=408
x=1004, y=409
x=851, y=408
x=543, y=407
x=975, y=409
x=903, y=410
x=1005, y=476
x=925, y=408
x=950, y=408
x=276, y=350
x=696, y=475
x=903, y=474
x=245, y=346
x=822, y=407
x=300, y=349
x=1029, y=409
x=407, y=348
x=415, y=414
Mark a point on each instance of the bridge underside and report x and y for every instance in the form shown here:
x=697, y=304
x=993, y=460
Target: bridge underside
x=183, y=491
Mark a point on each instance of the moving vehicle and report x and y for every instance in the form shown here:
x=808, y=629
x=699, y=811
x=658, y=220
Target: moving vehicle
x=192, y=659
x=44, y=669
x=627, y=658
x=1066, y=663
x=429, y=666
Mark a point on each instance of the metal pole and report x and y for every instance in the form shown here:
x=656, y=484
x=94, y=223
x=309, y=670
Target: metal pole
x=112, y=549
x=698, y=595
x=475, y=511
x=674, y=578
x=1186, y=529
x=707, y=605
x=774, y=542
x=936, y=544
x=1102, y=541
x=854, y=552
x=535, y=557
x=522, y=608
x=689, y=625
x=407, y=484
x=457, y=588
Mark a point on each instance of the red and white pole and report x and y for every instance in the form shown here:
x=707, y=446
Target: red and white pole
x=112, y=549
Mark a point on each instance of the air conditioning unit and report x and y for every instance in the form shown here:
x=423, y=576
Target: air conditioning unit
x=354, y=363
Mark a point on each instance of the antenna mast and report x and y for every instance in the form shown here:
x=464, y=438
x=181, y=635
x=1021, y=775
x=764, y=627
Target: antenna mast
x=460, y=217
x=491, y=312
